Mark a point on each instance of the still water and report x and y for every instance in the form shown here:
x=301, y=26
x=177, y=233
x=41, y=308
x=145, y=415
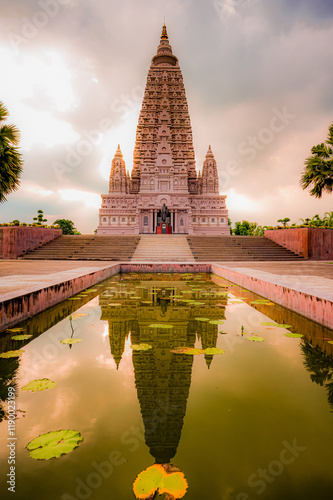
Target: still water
x=252, y=422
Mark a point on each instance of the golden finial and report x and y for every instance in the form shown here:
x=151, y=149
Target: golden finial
x=164, y=35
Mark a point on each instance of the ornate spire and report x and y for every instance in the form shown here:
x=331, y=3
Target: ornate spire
x=118, y=154
x=209, y=152
x=164, y=35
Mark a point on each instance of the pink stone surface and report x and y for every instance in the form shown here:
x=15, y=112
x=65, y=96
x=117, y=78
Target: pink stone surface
x=309, y=305
x=17, y=240
x=17, y=307
x=164, y=170
x=310, y=243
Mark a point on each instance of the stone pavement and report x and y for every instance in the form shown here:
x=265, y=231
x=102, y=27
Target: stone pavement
x=309, y=276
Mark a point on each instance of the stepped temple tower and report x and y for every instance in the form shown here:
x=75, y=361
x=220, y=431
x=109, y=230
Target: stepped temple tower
x=164, y=194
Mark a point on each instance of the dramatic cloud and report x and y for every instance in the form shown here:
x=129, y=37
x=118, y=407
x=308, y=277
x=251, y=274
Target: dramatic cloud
x=258, y=76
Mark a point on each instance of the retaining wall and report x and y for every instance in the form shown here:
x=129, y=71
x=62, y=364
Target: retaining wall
x=310, y=243
x=17, y=240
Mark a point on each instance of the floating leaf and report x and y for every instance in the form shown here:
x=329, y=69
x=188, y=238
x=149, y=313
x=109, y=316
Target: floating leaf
x=53, y=444
x=12, y=354
x=15, y=330
x=216, y=321
x=160, y=325
x=294, y=335
x=78, y=315
x=256, y=339
x=164, y=479
x=70, y=341
x=194, y=351
x=271, y=323
x=180, y=350
x=330, y=341
x=236, y=302
x=260, y=301
x=214, y=350
x=141, y=347
x=39, y=385
x=202, y=319
x=21, y=337
x=90, y=290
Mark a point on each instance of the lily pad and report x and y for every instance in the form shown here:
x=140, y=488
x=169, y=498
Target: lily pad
x=214, y=350
x=194, y=351
x=141, y=347
x=260, y=301
x=70, y=341
x=216, y=322
x=12, y=354
x=53, y=444
x=160, y=325
x=294, y=335
x=21, y=337
x=330, y=341
x=13, y=330
x=164, y=479
x=180, y=349
x=39, y=385
x=78, y=315
x=254, y=338
x=271, y=323
x=202, y=319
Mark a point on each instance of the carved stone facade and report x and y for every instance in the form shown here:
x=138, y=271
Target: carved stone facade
x=164, y=165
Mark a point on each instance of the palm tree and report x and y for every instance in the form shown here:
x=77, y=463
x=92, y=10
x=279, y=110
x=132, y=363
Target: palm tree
x=10, y=159
x=318, y=172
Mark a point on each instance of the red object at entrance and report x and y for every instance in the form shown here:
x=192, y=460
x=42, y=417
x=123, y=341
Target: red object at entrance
x=164, y=228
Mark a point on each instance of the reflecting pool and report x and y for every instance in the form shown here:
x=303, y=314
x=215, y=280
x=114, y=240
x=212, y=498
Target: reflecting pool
x=245, y=415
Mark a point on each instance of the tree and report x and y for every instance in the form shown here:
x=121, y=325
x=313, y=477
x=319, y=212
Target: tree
x=39, y=218
x=66, y=225
x=244, y=228
x=284, y=221
x=11, y=162
x=318, y=172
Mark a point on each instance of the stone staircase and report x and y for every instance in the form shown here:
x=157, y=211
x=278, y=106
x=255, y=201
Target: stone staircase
x=238, y=248
x=86, y=247
x=163, y=248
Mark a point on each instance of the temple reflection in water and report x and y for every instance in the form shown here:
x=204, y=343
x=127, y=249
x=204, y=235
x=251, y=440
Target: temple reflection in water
x=162, y=378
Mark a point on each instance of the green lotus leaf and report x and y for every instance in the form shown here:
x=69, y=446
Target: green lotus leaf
x=330, y=341
x=160, y=325
x=53, y=444
x=180, y=349
x=271, y=323
x=148, y=481
x=39, y=385
x=202, y=319
x=254, y=338
x=194, y=351
x=12, y=330
x=141, y=347
x=12, y=354
x=216, y=321
x=260, y=301
x=21, y=337
x=294, y=335
x=173, y=484
x=70, y=341
x=214, y=350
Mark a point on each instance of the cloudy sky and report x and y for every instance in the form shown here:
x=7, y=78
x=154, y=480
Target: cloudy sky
x=258, y=76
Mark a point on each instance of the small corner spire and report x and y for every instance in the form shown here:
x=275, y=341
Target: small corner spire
x=118, y=152
x=164, y=35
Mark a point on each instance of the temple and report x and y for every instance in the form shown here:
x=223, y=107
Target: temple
x=164, y=193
